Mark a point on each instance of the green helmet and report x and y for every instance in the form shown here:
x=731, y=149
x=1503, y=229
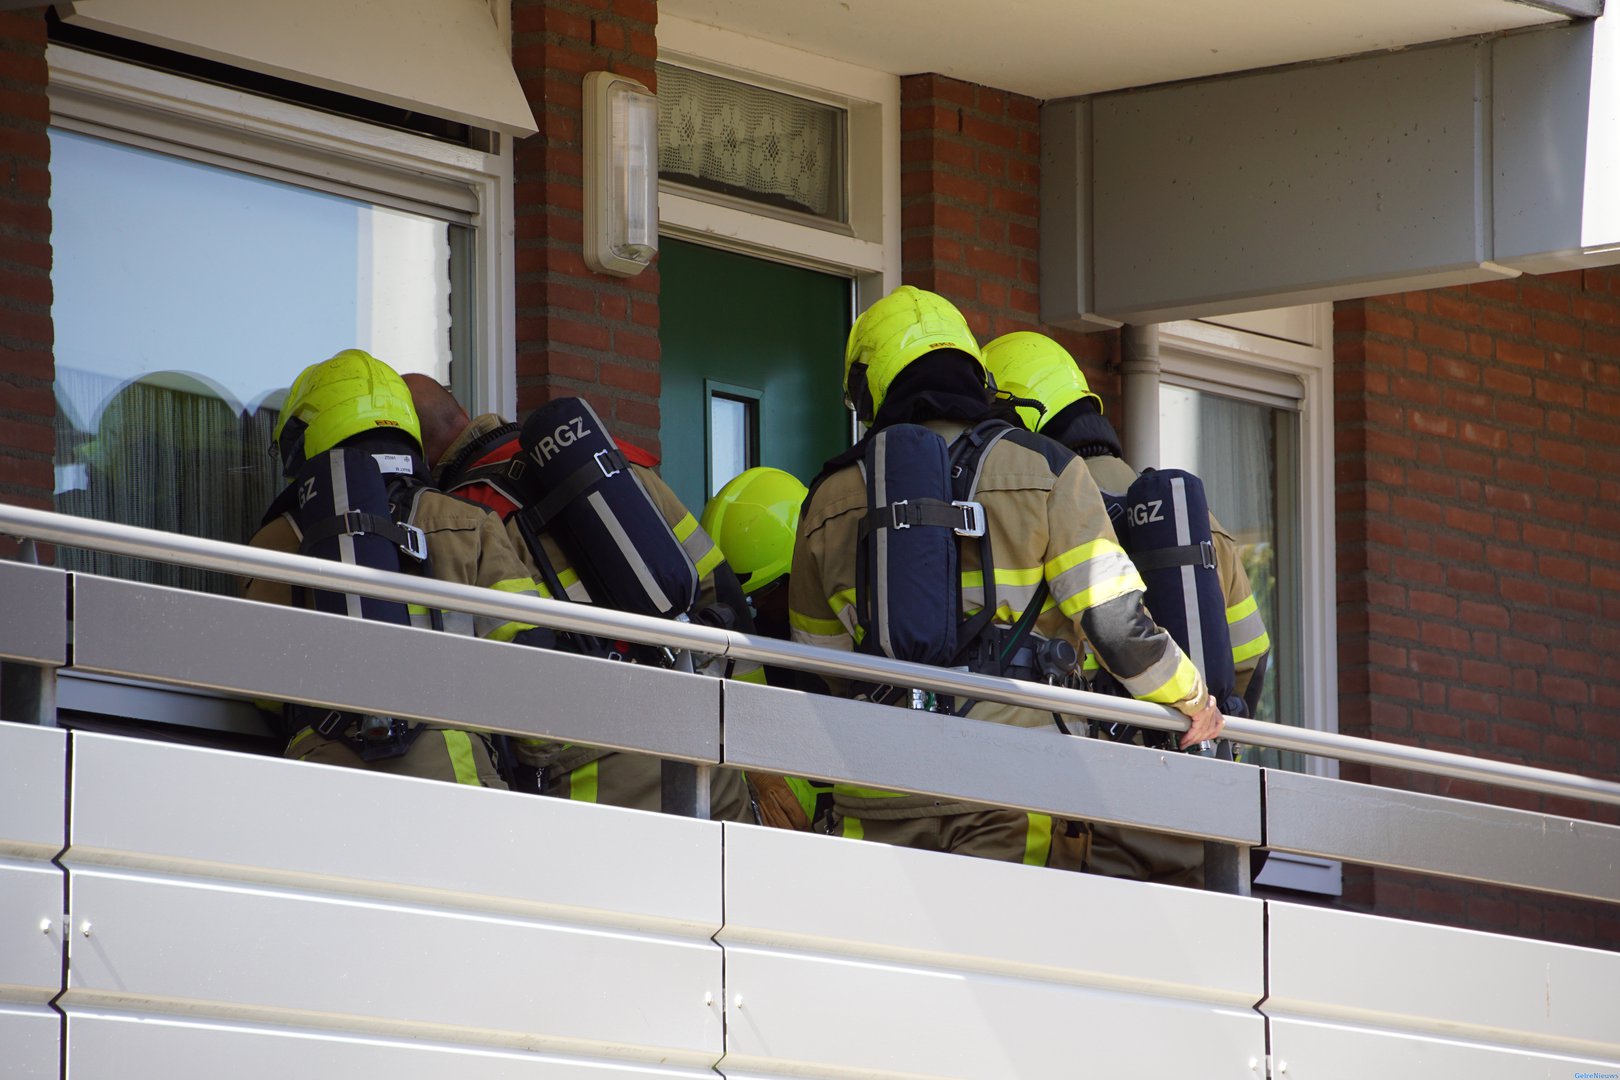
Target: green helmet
x=892, y=333
x=334, y=399
x=753, y=519
x=1030, y=365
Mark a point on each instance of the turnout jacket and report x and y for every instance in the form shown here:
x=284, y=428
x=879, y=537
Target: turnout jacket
x=1046, y=521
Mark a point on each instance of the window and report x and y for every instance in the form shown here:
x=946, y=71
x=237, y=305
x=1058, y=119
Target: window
x=733, y=433
x=1247, y=403
x=195, y=276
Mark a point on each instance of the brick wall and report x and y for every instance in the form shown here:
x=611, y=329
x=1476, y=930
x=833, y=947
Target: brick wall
x=27, y=404
x=1478, y=475
x=578, y=332
x=970, y=178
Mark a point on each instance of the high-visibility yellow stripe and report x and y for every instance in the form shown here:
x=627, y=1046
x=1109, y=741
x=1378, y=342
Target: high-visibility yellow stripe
x=1178, y=687
x=714, y=558
x=852, y=828
x=1038, y=841
x=507, y=631
x=818, y=627
x=1028, y=576
x=841, y=599
x=462, y=761
x=299, y=738
x=1243, y=652
x=752, y=675
x=582, y=783
x=415, y=609
x=1238, y=611
x=685, y=527
x=1077, y=555
x=1100, y=593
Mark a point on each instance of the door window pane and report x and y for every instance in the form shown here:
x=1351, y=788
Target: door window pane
x=733, y=438
x=1247, y=455
x=187, y=297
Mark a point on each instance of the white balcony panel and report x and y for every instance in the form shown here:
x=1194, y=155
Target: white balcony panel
x=33, y=784
x=852, y=958
x=35, y=627
x=1477, y=1004
x=351, y=831
x=165, y=945
x=1337, y=1051
x=102, y=1046
x=30, y=932
x=30, y=1043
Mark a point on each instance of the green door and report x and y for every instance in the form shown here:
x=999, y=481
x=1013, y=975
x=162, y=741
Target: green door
x=753, y=354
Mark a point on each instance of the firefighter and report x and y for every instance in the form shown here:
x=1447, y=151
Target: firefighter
x=753, y=519
x=455, y=441
x=354, y=401
x=1033, y=367
x=911, y=359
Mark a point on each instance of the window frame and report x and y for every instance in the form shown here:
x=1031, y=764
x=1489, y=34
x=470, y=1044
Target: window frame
x=1291, y=366
x=218, y=125
x=868, y=251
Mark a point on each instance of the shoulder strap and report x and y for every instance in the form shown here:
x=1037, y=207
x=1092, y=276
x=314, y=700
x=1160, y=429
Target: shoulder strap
x=967, y=462
x=454, y=471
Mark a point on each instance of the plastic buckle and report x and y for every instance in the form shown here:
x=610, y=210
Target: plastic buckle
x=415, y=543
x=1207, y=549
x=606, y=472
x=328, y=726
x=895, y=519
x=972, y=518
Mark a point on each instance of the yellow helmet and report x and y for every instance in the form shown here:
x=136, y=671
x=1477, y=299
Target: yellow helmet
x=334, y=399
x=891, y=334
x=1030, y=365
x=753, y=519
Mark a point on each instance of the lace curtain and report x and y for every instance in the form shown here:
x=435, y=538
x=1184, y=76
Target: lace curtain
x=735, y=139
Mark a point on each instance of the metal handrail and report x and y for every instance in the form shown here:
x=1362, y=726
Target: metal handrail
x=310, y=572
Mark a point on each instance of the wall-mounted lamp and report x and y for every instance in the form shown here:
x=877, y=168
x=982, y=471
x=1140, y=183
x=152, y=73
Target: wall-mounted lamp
x=621, y=174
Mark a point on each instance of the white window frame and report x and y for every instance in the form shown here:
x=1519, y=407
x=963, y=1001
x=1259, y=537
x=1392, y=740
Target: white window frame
x=1290, y=364
x=869, y=250
x=173, y=114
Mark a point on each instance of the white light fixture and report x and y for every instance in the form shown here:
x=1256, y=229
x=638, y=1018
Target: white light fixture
x=621, y=174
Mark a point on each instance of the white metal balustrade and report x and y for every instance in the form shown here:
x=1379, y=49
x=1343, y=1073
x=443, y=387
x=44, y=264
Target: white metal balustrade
x=229, y=914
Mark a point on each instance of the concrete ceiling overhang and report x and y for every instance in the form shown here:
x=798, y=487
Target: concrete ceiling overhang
x=1050, y=49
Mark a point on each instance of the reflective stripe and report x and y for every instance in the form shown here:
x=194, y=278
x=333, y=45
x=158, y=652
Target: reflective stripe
x=852, y=829
x=1251, y=648
x=462, y=761
x=843, y=605
x=582, y=783
x=298, y=738
x=508, y=630
x=1092, y=574
x=816, y=627
x=1038, y=841
x=1171, y=679
x=517, y=585
x=754, y=674
x=1247, y=630
x=1014, y=590
x=698, y=545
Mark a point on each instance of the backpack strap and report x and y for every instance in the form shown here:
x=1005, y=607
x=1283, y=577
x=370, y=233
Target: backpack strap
x=458, y=470
x=967, y=464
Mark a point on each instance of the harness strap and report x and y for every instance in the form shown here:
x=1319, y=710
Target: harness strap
x=964, y=518
x=410, y=539
x=1200, y=554
x=456, y=473
x=604, y=463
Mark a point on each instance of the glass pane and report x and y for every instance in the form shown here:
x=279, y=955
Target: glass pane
x=734, y=139
x=1246, y=454
x=730, y=439
x=187, y=297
